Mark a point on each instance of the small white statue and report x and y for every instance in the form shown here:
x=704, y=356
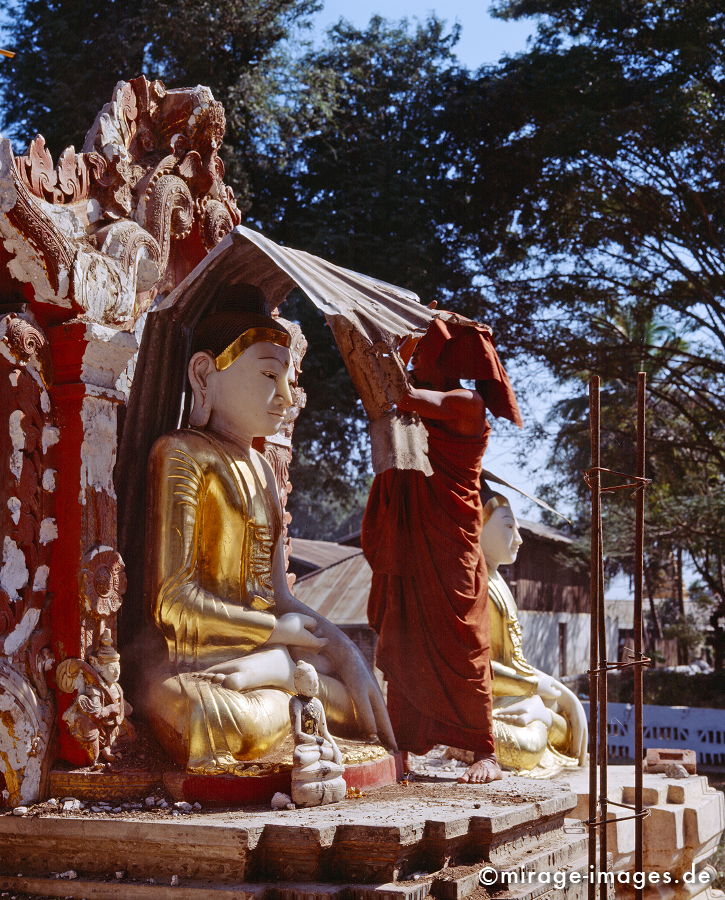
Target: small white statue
x=317, y=762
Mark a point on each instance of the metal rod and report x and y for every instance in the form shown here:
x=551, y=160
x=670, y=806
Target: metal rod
x=602, y=713
x=594, y=440
x=638, y=636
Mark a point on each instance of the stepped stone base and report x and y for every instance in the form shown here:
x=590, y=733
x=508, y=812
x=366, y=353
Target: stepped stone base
x=404, y=842
x=367, y=766
x=682, y=831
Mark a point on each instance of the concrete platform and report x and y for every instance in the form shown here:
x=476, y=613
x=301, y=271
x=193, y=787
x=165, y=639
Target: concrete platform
x=374, y=846
x=682, y=831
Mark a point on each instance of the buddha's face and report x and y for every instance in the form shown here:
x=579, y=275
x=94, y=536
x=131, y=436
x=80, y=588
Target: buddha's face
x=249, y=398
x=306, y=682
x=500, y=538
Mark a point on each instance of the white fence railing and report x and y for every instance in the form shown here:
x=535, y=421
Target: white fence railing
x=679, y=727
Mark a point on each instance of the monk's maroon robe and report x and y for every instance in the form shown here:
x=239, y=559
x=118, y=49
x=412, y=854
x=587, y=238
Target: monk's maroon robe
x=428, y=601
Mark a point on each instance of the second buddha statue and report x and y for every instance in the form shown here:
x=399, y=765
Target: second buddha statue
x=539, y=724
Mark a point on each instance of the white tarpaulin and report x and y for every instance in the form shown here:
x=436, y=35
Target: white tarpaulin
x=368, y=318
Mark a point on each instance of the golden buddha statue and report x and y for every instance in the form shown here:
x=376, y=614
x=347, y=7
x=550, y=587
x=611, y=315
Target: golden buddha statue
x=216, y=586
x=539, y=724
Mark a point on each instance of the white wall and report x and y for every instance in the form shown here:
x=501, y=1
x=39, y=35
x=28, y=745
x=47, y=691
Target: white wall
x=541, y=640
x=673, y=727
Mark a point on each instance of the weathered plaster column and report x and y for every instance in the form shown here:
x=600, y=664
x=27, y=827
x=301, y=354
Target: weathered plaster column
x=27, y=529
x=87, y=577
x=86, y=245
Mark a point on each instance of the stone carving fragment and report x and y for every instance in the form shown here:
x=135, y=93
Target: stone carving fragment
x=99, y=710
x=102, y=232
x=103, y=581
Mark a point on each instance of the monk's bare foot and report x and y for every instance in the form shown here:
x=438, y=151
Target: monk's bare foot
x=406, y=762
x=482, y=771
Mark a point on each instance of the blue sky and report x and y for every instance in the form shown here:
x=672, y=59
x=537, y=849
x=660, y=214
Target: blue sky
x=483, y=38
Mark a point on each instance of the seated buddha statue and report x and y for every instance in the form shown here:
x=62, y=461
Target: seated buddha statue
x=539, y=724
x=216, y=587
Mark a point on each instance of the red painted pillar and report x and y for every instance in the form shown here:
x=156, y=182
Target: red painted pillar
x=86, y=577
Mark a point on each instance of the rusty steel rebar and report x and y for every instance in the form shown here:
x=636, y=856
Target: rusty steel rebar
x=603, y=713
x=638, y=655
x=599, y=666
x=594, y=484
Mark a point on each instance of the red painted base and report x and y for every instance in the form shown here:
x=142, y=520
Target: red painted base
x=227, y=790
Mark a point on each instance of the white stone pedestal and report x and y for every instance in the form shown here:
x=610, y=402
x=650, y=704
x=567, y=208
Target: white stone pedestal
x=685, y=823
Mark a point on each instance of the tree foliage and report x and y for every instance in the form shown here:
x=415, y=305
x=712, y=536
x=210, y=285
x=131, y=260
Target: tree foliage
x=71, y=53
x=338, y=150
x=572, y=195
x=597, y=176
x=368, y=188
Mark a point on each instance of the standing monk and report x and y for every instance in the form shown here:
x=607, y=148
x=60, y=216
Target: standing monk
x=428, y=601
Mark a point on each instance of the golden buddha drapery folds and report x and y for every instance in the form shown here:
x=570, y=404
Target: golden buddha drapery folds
x=536, y=746
x=212, y=529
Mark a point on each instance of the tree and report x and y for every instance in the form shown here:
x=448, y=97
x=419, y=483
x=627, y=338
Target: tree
x=591, y=189
x=684, y=509
x=71, y=53
x=340, y=151
x=247, y=52
x=593, y=176
x=69, y=57
x=367, y=188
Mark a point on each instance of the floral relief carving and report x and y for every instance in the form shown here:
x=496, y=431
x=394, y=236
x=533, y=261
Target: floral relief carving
x=102, y=581
x=68, y=182
x=150, y=176
x=28, y=344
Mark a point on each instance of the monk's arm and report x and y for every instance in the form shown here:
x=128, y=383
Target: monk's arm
x=448, y=406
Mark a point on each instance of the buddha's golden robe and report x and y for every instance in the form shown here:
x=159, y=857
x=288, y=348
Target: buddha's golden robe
x=213, y=526
x=535, y=745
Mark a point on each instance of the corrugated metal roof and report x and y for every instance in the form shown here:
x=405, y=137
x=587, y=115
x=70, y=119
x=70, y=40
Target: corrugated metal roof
x=319, y=553
x=538, y=529
x=340, y=591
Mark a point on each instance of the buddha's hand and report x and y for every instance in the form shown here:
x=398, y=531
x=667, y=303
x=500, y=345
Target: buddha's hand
x=298, y=630
x=548, y=688
x=524, y=712
x=572, y=709
x=350, y=667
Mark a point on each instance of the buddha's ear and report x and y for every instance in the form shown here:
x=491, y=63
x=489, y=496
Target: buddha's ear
x=201, y=365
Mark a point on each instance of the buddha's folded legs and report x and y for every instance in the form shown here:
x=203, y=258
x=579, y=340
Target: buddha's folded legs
x=519, y=747
x=209, y=728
